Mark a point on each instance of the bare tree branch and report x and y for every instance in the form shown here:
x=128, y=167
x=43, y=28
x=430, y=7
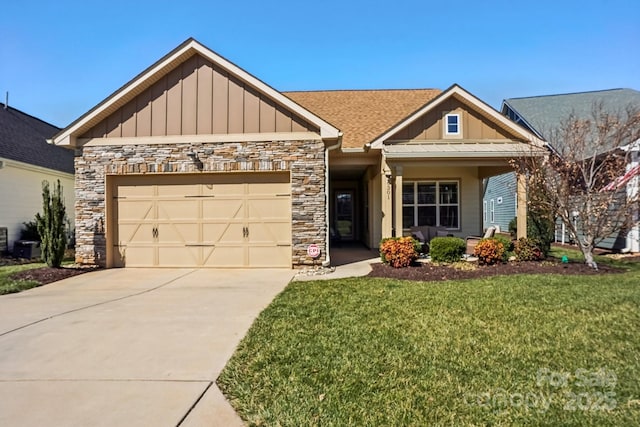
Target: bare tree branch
x=580, y=180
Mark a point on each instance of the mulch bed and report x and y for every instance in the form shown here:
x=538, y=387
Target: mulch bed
x=44, y=275
x=431, y=272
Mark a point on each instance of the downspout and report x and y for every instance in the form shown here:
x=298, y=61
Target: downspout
x=327, y=260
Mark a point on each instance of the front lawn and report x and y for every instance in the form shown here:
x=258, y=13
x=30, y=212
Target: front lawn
x=528, y=349
x=9, y=285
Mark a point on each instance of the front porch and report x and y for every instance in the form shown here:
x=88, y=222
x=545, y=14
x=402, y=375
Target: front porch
x=443, y=193
x=378, y=199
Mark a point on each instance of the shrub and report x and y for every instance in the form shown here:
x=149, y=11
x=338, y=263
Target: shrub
x=513, y=227
x=489, y=251
x=507, y=243
x=528, y=250
x=447, y=249
x=540, y=227
x=399, y=251
x=52, y=225
x=30, y=231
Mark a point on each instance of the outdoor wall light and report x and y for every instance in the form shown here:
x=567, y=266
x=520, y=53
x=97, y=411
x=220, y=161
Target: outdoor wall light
x=194, y=158
x=389, y=175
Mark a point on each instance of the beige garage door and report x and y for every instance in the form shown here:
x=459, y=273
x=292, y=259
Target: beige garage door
x=203, y=220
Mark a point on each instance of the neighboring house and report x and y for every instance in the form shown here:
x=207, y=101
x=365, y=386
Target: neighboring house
x=500, y=201
x=26, y=159
x=196, y=162
x=542, y=115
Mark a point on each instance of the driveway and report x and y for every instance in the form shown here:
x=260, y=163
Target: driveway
x=127, y=346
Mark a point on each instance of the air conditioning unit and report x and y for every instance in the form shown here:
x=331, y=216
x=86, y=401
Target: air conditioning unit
x=4, y=245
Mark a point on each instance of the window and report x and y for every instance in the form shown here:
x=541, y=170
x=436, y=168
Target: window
x=484, y=211
x=492, y=212
x=435, y=203
x=452, y=124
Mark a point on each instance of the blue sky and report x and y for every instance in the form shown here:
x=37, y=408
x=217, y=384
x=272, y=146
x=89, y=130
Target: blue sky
x=60, y=58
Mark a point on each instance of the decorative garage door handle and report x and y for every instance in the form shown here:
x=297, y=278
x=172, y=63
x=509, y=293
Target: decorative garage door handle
x=245, y=231
x=154, y=232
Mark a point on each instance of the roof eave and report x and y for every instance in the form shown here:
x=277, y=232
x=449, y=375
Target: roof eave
x=505, y=103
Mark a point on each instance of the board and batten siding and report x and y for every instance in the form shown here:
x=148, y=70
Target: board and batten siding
x=502, y=190
x=430, y=126
x=198, y=98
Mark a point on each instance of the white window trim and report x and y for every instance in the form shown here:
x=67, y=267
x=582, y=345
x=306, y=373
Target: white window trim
x=492, y=211
x=446, y=125
x=437, y=204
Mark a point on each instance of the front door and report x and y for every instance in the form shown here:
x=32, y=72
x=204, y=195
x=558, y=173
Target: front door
x=344, y=214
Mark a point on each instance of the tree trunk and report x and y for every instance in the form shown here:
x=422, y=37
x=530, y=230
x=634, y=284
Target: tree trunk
x=587, y=251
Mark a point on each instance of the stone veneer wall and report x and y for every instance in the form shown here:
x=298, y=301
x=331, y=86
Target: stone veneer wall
x=303, y=159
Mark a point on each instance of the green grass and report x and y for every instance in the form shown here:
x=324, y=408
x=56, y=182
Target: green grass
x=374, y=352
x=9, y=286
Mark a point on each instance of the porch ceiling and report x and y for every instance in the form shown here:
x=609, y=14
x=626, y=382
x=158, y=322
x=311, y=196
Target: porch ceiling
x=346, y=172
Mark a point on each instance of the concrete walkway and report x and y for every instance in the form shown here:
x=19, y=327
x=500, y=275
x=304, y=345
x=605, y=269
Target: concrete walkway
x=349, y=261
x=127, y=347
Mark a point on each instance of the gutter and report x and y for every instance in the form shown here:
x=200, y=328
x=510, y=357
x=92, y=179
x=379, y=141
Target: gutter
x=355, y=150
x=327, y=261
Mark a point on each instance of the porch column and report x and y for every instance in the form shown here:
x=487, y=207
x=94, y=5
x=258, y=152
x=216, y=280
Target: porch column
x=397, y=205
x=522, y=206
x=385, y=200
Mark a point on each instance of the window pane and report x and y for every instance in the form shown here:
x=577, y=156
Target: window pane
x=449, y=193
x=452, y=124
x=427, y=215
x=449, y=216
x=427, y=194
x=407, y=217
x=407, y=194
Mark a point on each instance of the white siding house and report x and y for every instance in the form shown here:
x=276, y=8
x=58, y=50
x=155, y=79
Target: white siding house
x=26, y=160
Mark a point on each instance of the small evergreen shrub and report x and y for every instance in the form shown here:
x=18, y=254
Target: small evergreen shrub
x=513, y=227
x=528, y=250
x=447, y=249
x=489, y=251
x=539, y=228
x=399, y=251
x=52, y=225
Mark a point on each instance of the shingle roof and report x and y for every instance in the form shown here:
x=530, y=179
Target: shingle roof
x=546, y=113
x=23, y=138
x=363, y=115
